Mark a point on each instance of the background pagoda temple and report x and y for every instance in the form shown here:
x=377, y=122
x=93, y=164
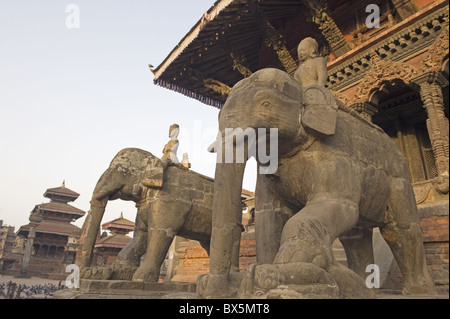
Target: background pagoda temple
x=395, y=74
x=107, y=247
x=55, y=242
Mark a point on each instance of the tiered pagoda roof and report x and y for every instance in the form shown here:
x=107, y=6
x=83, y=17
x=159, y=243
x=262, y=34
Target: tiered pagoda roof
x=57, y=215
x=119, y=229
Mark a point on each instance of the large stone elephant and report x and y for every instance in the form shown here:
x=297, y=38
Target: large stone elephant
x=170, y=199
x=337, y=176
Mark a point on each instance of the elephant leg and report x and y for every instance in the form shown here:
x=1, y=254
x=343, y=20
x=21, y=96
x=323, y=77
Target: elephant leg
x=158, y=245
x=307, y=236
x=358, y=248
x=165, y=217
x=270, y=217
x=131, y=254
x=404, y=237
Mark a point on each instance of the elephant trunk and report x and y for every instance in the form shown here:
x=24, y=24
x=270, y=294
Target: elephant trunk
x=91, y=232
x=226, y=224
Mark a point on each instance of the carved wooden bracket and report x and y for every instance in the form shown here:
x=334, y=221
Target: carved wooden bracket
x=273, y=38
x=322, y=17
x=237, y=60
x=209, y=83
x=438, y=51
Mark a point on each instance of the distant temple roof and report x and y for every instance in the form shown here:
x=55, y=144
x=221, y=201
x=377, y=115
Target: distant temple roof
x=61, y=194
x=120, y=223
x=57, y=215
x=113, y=241
x=51, y=227
x=62, y=208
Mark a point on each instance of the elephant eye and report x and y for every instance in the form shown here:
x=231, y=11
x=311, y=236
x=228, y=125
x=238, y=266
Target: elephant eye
x=265, y=103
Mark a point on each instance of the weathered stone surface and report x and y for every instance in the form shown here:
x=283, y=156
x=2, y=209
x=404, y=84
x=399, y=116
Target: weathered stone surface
x=180, y=203
x=338, y=184
x=125, y=289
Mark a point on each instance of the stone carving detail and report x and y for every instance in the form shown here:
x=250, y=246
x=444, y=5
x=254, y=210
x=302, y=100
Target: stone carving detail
x=382, y=71
x=170, y=149
x=312, y=68
x=421, y=193
x=333, y=175
x=179, y=204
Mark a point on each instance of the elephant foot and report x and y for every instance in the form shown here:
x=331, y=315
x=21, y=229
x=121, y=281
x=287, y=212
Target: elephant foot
x=100, y=273
x=302, y=280
x=288, y=281
x=422, y=286
x=351, y=286
x=146, y=274
x=305, y=252
x=215, y=287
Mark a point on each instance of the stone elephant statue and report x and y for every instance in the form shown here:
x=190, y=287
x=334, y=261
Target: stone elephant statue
x=337, y=176
x=170, y=199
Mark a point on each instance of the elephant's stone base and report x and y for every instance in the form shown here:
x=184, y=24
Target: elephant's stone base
x=114, y=272
x=286, y=281
x=127, y=289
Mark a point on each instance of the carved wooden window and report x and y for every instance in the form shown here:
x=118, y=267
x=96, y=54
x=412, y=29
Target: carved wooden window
x=427, y=155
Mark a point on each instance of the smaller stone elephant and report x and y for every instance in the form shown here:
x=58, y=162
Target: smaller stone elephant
x=170, y=199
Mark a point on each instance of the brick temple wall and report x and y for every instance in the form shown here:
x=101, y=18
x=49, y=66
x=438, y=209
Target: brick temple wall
x=193, y=259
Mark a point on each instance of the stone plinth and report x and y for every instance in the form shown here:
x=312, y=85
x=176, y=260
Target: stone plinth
x=125, y=289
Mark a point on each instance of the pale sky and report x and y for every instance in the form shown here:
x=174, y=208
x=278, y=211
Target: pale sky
x=71, y=98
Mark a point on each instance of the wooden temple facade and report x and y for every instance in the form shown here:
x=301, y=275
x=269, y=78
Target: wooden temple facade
x=395, y=74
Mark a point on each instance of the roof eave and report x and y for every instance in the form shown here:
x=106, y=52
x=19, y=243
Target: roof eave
x=189, y=37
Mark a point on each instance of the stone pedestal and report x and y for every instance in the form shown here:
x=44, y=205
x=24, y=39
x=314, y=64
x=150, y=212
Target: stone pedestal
x=126, y=289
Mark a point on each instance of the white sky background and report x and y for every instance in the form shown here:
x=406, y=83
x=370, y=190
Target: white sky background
x=70, y=99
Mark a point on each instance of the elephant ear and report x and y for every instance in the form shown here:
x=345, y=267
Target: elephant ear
x=320, y=113
x=153, y=174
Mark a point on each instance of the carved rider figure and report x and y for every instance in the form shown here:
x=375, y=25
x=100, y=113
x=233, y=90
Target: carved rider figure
x=312, y=74
x=312, y=68
x=170, y=149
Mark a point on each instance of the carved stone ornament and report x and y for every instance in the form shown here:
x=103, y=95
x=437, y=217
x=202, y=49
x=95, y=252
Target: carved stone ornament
x=382, y=71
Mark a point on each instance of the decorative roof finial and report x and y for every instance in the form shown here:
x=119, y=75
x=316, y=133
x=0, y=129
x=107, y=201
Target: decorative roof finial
x=121, y=215
x=63, y=184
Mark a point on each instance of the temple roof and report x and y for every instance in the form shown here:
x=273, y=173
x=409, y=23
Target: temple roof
x=61, y=194
x=51, y=227
x=62, y=208
x=203, y=55
x=113, y=241
x=235, y=38
x=119, y=224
